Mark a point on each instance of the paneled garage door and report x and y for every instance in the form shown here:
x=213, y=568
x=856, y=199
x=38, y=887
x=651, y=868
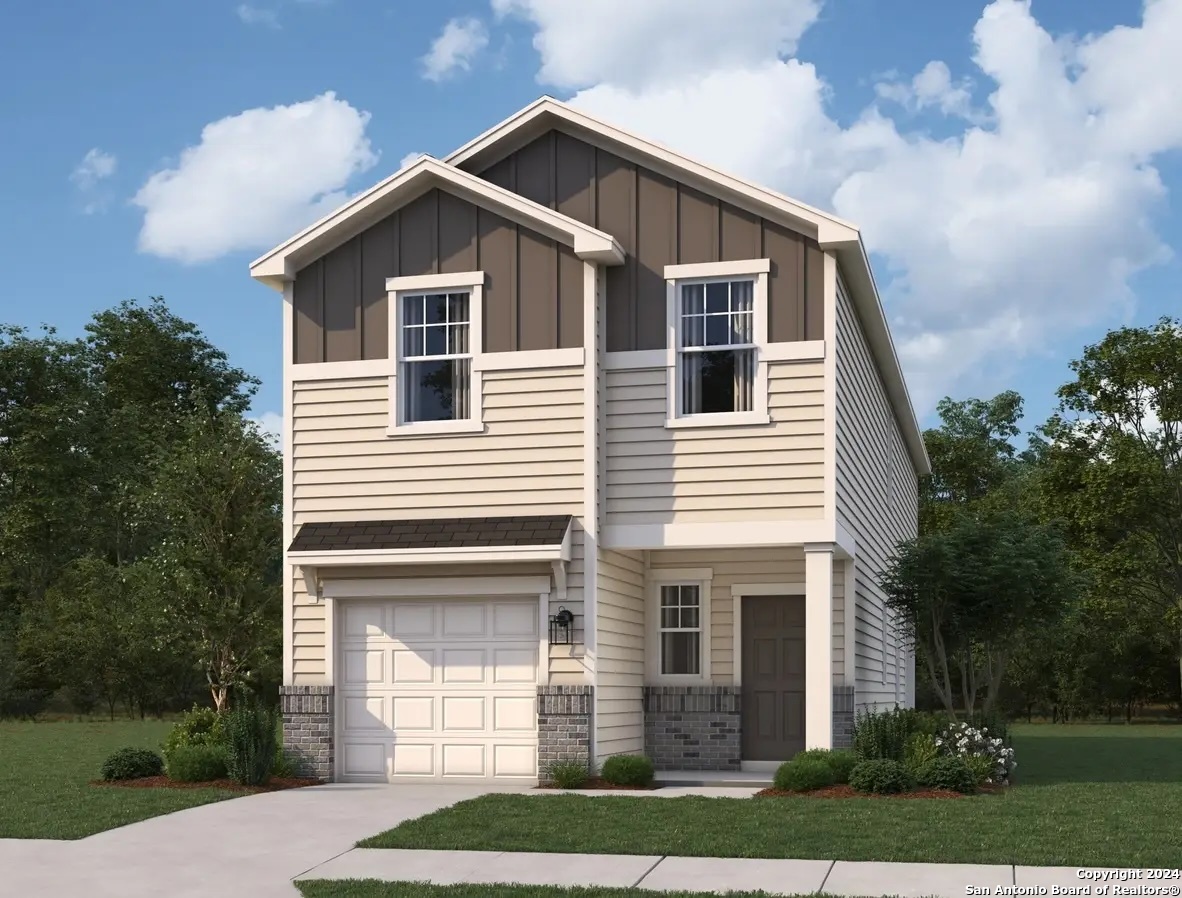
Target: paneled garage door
x=437, y=690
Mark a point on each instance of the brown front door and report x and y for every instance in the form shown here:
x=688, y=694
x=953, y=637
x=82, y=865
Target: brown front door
x=773, y=677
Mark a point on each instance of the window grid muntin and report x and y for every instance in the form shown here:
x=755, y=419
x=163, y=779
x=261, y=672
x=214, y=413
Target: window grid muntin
x=682, y=604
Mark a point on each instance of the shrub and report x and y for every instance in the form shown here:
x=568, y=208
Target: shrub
x=197, y=763
x=132, y=763
x=841, y=761
x=948, y=773
x=568, y=775
x=628, y=770
x=199, y=726
x=804, y=774
x=285, y=767
x=250, y=743
x=986, y=754
x=881, y=776
x=982, y=767
x=883, y=735
x=921, y=750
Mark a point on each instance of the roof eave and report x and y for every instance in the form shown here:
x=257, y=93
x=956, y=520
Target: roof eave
x=864, y=293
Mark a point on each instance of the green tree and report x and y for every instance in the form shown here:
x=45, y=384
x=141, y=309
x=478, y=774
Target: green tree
x=972, y=456
x=965, y=594
x=218, y=494
x=1114, y=467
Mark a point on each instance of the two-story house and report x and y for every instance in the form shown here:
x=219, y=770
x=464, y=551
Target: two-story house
x=589, y=449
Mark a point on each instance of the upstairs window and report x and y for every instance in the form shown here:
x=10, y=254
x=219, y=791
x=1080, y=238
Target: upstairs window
x=435, y=338
x=716, y=356
x=718, y=332
x=436, y=373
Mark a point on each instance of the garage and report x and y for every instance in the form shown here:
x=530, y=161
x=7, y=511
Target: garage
x=437, y=689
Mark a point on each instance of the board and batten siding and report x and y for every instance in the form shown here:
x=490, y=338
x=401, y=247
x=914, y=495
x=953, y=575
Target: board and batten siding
x=876, y=500
x=533, y=290
x=781, y=564
x=619, y=690
x=655, y=474
x=659, y=221
x=345, y=468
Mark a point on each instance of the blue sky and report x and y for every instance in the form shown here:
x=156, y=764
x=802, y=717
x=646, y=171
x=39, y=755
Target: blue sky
x=1007, y=232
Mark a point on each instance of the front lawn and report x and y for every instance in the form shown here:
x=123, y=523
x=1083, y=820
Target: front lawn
x=46, y=768
x=373, y=888
x=1088, y=796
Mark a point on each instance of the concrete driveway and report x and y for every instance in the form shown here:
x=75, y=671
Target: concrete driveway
x=250, y=846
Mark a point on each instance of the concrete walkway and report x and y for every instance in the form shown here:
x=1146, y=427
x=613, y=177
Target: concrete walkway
x=694, y=874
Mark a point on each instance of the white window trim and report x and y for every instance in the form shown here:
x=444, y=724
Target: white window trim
x=699, y=577
x=396, y=288
x=675, y=276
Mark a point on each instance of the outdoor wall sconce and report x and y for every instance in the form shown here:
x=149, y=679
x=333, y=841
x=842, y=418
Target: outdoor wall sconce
x=560, y=627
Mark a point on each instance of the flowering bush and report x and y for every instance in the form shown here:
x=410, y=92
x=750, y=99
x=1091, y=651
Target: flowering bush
x=988, y=755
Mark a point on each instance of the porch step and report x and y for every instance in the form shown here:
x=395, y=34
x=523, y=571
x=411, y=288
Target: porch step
x=738, y=779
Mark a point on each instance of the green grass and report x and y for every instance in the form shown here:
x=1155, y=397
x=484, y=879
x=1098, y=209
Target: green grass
x=46, y=768
x=1087, y=796
x=373, y=888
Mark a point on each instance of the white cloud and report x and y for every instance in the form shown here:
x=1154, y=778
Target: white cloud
x=96, y=166
x=455, y=49
x=253, y=179
x=932, y=87
x=635, y=44
x=270, y=425
x=409, y=158
x=257, y=15
x=1022, y=227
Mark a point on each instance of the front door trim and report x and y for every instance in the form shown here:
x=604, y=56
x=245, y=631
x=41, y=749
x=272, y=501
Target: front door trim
x=738, y=591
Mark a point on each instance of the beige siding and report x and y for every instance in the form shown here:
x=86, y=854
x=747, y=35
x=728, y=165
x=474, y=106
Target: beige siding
x=619, y=708
x=661, y=475
x=347, y=468
x=876, y=501
x=753, y=565
x=566, y=661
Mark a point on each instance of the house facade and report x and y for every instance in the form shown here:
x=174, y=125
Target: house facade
x=590, y=449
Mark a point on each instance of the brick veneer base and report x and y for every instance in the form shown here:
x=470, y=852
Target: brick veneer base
x=307, y=728
x=564, y=726
x=843, y=716
x=692, y=727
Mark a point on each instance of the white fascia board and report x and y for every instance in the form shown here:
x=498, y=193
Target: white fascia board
x=560, y=552
x=535, y=115
x=859, y=278
x=279, y=264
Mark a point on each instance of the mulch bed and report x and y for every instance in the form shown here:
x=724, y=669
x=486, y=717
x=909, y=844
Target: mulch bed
x=597, y=783
x=849, y=792
x=275, y=784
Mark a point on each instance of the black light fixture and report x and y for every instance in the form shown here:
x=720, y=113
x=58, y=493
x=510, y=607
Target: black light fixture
x=560, y=627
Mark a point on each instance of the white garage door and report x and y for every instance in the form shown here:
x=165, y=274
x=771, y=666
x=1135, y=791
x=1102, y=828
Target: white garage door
x=438, y=690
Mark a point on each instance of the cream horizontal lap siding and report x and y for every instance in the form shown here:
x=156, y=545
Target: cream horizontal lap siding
x=619, y=696
x=779, y=564
x=346, y=467
x=529, y=460
x=655, y=474
x=876, y=501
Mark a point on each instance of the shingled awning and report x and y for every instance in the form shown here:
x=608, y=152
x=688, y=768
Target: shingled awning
x=431, y=533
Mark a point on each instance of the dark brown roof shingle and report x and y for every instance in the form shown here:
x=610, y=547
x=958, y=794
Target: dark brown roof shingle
x=431, y=533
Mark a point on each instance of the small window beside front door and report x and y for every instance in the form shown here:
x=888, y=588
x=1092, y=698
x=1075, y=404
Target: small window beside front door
x=681, y=630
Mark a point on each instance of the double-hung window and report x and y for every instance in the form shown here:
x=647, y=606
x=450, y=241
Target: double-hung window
x=681, y=629
x=436, y=337
x=678, y=624
x=718, y=315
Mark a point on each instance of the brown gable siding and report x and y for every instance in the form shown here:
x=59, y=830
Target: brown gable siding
x=659, y=222
x=533, y=290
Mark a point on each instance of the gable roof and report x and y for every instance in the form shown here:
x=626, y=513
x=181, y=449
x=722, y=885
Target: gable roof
x=280, y=264
x=832, y=233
